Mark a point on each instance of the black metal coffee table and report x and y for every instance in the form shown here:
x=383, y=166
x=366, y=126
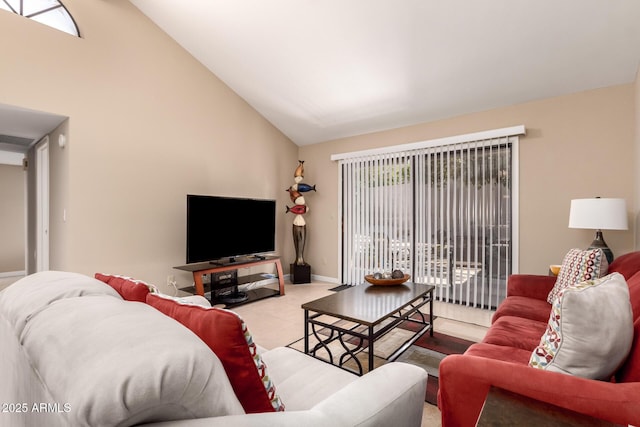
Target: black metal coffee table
x=378, y=309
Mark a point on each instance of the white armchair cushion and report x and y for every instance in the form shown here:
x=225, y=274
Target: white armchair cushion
x=127, y=364
x=302, y=380
x=31, y=294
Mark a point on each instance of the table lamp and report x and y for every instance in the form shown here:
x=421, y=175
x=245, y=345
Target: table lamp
x=599, y=214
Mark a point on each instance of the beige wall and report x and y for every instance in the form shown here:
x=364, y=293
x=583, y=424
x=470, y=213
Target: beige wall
x=147, y=125
x=576, y=146
x=12, y=225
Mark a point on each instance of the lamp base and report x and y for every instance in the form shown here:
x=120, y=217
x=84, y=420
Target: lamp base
x=599, y=243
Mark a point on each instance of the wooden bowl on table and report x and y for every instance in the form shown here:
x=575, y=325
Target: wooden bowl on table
x=386, y=282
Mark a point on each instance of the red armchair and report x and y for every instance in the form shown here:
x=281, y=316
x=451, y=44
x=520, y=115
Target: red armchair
x=501, y=360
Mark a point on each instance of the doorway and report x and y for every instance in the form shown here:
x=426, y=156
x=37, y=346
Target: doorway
x=42, y=205
x=23, y=137
x=13, y=211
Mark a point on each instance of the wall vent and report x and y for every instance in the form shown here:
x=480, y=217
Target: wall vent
x=15, y=143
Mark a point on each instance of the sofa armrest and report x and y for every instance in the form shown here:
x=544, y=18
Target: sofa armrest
x=530, y=285
x=465, y=382
x=392, y=394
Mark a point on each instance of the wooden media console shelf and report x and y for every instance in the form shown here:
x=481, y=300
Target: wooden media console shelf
x=200, y=269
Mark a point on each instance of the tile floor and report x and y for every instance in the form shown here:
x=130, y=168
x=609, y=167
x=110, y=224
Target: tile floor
x=279, y=321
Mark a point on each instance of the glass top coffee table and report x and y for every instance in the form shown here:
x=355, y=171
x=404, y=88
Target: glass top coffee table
x=373, y=311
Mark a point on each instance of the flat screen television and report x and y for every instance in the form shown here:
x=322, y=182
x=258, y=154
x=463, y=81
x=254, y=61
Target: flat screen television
x=228, y=227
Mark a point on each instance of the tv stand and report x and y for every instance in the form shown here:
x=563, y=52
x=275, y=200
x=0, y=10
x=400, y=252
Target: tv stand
x=235, y=297
x=234, y=260
x=200, y=269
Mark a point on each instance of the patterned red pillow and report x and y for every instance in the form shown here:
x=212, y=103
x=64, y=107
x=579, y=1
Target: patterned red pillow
x=578, y=266
x=128, y=288
x=227, y=336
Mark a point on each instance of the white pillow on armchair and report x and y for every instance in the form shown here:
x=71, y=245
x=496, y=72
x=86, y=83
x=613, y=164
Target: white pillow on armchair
x=590, y=329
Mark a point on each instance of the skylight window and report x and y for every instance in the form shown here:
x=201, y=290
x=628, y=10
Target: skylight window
x=47, y=12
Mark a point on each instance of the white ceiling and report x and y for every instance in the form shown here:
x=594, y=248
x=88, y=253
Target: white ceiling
x=320, y=70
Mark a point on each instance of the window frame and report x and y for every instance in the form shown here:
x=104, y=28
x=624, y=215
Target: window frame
x=32, y=15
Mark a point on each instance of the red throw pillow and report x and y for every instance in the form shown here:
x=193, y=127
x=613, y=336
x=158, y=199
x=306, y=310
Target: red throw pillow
x=128, y=288
x=227, y=336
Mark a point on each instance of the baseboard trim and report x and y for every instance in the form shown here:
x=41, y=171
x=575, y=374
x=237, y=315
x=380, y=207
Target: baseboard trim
x=318, y=278
x=12, y=274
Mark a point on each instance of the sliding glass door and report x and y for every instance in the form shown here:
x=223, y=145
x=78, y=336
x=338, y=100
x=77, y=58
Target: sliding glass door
x=463, y=222
x=442, y=213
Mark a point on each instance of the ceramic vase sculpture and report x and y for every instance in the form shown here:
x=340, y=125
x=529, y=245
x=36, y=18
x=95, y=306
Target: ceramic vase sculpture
x=299, y=237
x=299, y=209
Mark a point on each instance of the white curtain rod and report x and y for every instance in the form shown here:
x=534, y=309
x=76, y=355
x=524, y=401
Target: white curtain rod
x=477, y=136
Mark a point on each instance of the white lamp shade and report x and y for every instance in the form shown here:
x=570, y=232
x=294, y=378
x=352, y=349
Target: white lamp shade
x=598, y=214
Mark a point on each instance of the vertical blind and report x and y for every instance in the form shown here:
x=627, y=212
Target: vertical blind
x=442, y=211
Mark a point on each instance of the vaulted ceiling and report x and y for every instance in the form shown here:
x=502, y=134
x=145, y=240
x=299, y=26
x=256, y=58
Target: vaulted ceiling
x=321, y=70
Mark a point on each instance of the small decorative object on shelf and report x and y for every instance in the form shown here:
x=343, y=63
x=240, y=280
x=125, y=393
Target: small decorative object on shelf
x=300, y=270
x=397, y=274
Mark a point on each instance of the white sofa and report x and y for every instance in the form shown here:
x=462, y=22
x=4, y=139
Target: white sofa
x=74, y=353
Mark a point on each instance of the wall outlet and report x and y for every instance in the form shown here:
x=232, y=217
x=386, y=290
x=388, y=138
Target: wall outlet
x=171, y=283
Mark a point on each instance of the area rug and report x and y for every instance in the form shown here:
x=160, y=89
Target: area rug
x=332, y=353
x=426, y=352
